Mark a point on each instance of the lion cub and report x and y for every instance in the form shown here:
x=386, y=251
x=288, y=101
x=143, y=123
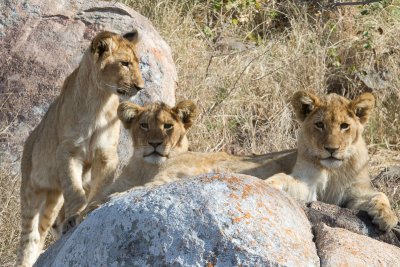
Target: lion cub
x=76, y=141
x=332, y=159
x=161, y=151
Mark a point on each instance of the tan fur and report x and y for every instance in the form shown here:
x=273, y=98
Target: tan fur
x=332, y=160
x=177, y=162
x=76, y=140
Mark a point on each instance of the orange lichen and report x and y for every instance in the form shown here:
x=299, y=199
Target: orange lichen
x=247, y=190
x=232, y=195
x=247, y=215
x=157, y=54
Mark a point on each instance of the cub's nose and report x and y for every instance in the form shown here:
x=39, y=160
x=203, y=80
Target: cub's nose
x=139, y=87
x=139, y=84
x=331, y=149
x=155, y=144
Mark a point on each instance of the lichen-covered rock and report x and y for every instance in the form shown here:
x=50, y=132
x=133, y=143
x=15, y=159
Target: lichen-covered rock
x=356, y=221
x=340, y=247
x=214, y=219
x=42, y=41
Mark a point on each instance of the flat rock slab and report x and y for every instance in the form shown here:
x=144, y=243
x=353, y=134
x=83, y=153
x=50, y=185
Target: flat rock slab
x=340, y=247
x=353, y=220
x=42, y=42
x=214, y=219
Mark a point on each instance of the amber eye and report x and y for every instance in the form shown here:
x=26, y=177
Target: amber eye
x=144, y=126
x=168, y=126
x=125, y=63
x=320, y=125
x=344, y=126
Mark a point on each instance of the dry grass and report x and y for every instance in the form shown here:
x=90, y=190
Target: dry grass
x=243, y=93
x=9, y=216
x=242, y=65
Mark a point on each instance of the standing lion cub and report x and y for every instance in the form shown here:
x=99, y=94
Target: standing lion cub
x=76, y=141
x=332, y=159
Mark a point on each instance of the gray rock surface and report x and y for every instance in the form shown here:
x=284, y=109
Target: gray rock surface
x=41, y=43
x=214, y=220
x=340, y=247
x=353, y=220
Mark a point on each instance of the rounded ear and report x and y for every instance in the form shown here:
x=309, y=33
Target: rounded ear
x=363, y=106
x=303, y=103
x=187, y=112
x=132, y=36
x=127, y=111
x=102, y=43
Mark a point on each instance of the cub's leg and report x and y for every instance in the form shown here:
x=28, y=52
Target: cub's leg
x=294, y=187
x=70, y=176
x=56, y=228
x=102, y=172
x=31, y=203
x=48, y=214
x=378, y=207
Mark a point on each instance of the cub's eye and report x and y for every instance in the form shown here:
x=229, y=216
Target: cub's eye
x=320, y=125
x=168, y=126
x=344, y=126
x=125, y=63
x=144, y=126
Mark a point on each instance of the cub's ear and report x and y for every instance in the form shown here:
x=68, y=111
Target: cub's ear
x=363, y=106
x=303, y=103
x=127, y=112
x=102, y=43
x=187, y=112
x=132, y=36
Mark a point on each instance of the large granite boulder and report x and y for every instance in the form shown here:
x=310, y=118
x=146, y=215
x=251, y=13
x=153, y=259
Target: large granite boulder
x=210, y=220
x=42, y=42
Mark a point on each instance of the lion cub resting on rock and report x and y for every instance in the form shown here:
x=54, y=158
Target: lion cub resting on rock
x=161, y=150
x=332, y=156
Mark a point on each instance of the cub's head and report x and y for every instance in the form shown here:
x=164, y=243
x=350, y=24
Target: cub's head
x=158, y=131
x=331, y=126
x=117, y=62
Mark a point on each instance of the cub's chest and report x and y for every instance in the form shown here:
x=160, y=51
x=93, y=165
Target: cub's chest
x=105, y=131
x=334, y=190
x=102, y=131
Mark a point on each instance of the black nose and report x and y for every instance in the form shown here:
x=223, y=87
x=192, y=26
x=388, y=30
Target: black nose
x=155, y=144
x=138, y=88
x=139, y=85
x=331, y=149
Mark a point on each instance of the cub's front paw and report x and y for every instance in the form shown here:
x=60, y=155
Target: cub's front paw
x=277, y=181
x=381, y=212
x=387, y=221
x=70, y=223
x=56, y=229
x=114, y=195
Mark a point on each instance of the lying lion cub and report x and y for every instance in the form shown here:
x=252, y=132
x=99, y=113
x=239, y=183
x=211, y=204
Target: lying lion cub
x=332, y=157
x=161, y=150
x=76, y=141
